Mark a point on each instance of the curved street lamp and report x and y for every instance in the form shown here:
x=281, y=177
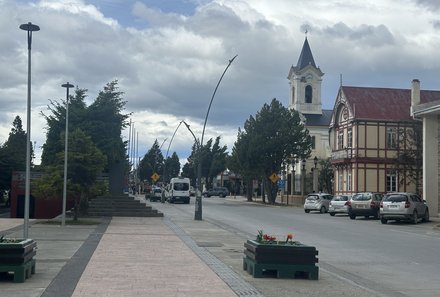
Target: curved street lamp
x=29, y=27
x=66, y=146
x=198, y=206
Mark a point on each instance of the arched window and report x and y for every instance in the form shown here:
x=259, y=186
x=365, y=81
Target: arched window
x=309, y=94
x=293, y=95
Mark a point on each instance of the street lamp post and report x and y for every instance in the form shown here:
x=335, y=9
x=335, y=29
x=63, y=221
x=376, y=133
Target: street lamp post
x=315, y=175
x=162, y=197
x=29, y=27
x=293, y=176
x=66, y=146
x=303, y=176
x=198, y=206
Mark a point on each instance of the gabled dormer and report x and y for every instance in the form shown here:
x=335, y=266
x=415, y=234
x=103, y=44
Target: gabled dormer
x=305, y=83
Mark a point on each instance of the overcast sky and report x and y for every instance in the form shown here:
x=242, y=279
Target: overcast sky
x=168, y=56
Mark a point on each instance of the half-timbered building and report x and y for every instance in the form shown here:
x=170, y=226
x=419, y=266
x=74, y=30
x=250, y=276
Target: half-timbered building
x=366, y=137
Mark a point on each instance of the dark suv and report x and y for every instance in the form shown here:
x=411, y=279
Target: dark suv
x=364, y=204
x=216, y=191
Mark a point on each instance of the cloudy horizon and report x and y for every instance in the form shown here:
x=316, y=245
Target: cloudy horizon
x=169, y=55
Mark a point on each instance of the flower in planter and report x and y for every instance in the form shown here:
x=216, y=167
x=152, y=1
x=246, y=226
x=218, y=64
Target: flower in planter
x=268, y=239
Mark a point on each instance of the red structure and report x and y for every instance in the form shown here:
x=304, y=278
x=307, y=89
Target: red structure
x=39, y=208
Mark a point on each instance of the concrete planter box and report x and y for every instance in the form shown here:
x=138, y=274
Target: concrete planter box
x=280, y=259
x=17, y=257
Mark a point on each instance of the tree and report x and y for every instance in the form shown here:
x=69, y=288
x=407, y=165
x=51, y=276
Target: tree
x=171, y=168
x=325, y=178
x=56, y=124
x=85, y=161
x=106, y=121
x=409, y=160
x=152, y=162
x=13, y=153
x=213, y=158
x=270, y=138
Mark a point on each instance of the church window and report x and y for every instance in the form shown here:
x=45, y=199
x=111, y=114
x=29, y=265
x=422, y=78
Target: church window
x=293, y=95
x=309, y=94
x=313, y=142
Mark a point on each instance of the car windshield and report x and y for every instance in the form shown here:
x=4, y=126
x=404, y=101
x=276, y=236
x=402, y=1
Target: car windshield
x=360, y=197
x=396, y=198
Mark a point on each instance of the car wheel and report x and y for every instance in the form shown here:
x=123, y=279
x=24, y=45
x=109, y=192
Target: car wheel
x=307, y=210
x=332, y=214
x=352, y=216
x=322, y=209
x=383, y=221
x=415, y=217
x=426, y=216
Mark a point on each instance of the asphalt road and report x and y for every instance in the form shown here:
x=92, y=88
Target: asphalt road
x=397, y=259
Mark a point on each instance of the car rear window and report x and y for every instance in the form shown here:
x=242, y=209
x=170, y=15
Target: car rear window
x=360, y=197
x=181, y=186
x=340, y=198
x=312, y=197
x=396, y=198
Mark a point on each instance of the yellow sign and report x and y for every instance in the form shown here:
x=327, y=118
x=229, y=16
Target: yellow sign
x=274, y=178
x=155, y=177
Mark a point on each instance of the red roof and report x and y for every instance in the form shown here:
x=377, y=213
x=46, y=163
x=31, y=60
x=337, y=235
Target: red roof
x=384, y=103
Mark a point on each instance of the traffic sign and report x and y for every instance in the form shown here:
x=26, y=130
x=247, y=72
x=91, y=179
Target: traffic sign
x=274, y=177
x=155, y=177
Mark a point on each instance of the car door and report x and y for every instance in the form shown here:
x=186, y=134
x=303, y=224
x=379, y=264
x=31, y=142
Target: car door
x=419, y=205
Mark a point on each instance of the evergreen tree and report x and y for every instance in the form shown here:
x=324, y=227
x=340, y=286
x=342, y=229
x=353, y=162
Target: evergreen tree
x=152, y=162
x=269, y=139
x=13, y=153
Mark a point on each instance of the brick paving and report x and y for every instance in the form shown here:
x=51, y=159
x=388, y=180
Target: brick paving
x=143, y=257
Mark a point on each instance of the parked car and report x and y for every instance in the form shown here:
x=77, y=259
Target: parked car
x=216, y=191
x=364, y=204
x=156, y=194
x=403, y=206
x=339, y=204
x=317, y=201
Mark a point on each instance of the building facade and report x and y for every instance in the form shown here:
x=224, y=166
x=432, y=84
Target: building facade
x=369, y=129
x=425, y=105
x=305, y=97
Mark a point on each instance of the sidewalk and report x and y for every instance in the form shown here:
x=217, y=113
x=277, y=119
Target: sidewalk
x=133, y=257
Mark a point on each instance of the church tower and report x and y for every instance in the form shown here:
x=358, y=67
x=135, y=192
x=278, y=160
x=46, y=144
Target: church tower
x=305, y=83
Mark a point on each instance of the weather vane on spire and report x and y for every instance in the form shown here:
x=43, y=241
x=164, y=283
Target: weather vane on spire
x=306, y=33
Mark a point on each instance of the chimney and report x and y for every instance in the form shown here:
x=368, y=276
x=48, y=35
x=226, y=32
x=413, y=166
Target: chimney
x=415, y=92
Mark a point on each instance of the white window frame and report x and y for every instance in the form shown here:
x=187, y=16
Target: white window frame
x=391, y=182
x=391, y=137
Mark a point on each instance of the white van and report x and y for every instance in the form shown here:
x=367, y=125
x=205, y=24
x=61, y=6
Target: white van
x=178, y=190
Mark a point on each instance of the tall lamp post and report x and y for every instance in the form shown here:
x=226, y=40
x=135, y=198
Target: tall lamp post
x=162, y=197
x=29, y=27
x=66, y=147
x=198, y=206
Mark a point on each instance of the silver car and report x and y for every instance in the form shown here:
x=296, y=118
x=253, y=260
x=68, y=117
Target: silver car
x=339, y=204
x=403, y=206
x=317, y=201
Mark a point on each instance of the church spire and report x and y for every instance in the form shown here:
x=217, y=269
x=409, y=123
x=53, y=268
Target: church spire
x=306, y=57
